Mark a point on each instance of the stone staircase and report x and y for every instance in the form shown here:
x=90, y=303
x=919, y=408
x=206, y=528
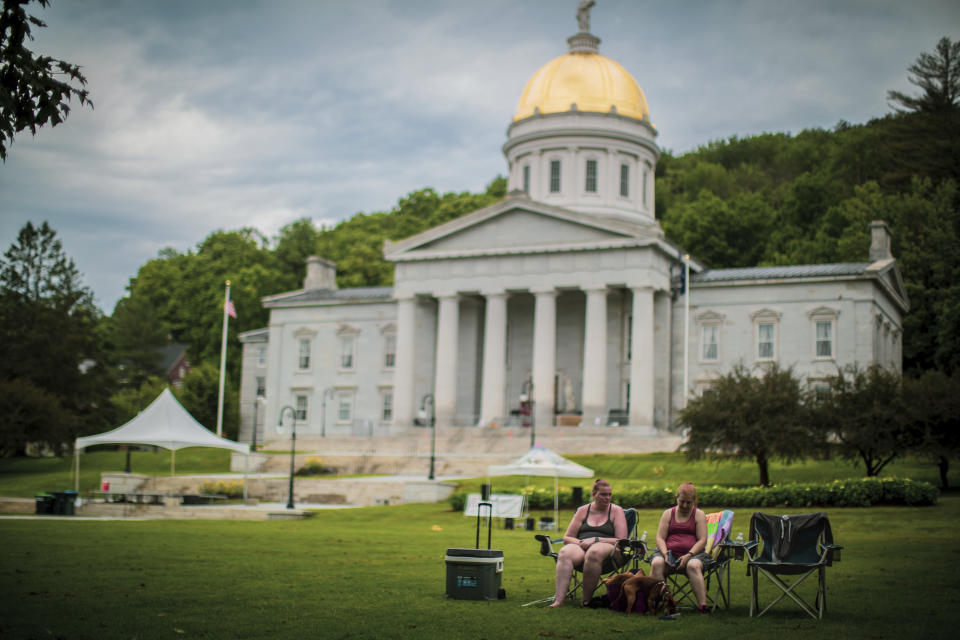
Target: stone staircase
x=458, y=451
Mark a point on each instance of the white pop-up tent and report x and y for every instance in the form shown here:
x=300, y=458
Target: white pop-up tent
x=165, y=423
x=540, y=461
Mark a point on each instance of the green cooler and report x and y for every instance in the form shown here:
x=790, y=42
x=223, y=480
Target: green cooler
x=474, y=574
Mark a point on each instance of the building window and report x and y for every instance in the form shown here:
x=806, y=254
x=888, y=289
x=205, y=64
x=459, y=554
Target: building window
x=625, y=180
x=346, y=352
x=345, y=406
x=526, y=179
x=628, y=335
x=710, y=342
x=262, y=357
x=387, y=413
x=766, y=340
x=303, y=362
x=554, y=176
x=261, y=387
x=301, y=410
x=824, y=338
x=591, y=184
x=643, y=186
x=389, y=351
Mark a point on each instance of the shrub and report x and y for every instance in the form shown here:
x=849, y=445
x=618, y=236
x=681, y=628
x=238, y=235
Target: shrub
x=313, y=466
x=839, y=493
x=228, y=488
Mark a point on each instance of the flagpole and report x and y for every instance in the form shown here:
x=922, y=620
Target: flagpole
x=686, y=328
x=223, y=360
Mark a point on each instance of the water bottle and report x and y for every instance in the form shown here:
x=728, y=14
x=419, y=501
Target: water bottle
x=740, y=537
x=643, y=538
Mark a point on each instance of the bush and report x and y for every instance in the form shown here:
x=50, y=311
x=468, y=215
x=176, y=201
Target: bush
x=839, y=493
x=228, y=488
x=313, y=466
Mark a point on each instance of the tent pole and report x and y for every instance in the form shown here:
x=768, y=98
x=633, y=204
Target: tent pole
x=246, y=459
x=556, y=503
x=173, y=463
x=76, y=469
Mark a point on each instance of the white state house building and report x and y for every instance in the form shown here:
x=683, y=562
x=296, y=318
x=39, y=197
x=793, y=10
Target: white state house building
x=564, y=303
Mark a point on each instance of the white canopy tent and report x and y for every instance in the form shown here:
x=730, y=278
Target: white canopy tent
x=165, y=423
x=540, y=461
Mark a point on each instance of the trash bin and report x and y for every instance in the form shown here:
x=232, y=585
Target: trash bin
x=44, y=503
x=474, y=574
x=63, y=502
x=70, y=502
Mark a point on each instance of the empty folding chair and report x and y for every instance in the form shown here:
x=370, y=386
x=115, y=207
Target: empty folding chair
x=798, y=545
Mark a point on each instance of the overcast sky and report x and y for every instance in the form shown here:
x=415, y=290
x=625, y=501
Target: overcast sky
x=221, y=114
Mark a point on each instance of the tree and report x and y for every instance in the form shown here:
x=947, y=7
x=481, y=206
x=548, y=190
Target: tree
x=34, y=90
x=864, y=410
x=48, y=326
x=938, y=75
x=749, y=417
x=934, y=404
x=199, y=395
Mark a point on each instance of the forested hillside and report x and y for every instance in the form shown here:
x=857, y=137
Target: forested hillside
x=769, y=199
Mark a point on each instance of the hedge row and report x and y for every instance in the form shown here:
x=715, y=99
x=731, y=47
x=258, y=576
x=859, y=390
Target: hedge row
x=839, y=493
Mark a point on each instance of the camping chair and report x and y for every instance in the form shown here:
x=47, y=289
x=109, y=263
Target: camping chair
x=631, y=552
x=716, y=574
x=791, y=545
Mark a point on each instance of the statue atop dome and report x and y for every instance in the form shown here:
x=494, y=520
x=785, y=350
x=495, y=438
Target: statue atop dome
x=583, y=15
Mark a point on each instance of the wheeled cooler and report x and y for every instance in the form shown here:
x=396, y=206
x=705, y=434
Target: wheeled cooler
x=475, y=574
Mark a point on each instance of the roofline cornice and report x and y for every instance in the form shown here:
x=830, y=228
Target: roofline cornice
x=579, y=132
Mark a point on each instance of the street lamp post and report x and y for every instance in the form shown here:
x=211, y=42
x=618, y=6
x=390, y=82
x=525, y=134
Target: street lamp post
x=256, y=413
x=526, y=395
x=433, y=430
x=293, y=447
x=327, y=393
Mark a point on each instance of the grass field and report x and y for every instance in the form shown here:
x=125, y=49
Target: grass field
x=379, y=573
x=25, y=477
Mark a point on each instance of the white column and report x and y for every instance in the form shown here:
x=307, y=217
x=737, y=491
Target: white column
x=492, y=398
x=445, y=385
x=404, y=401
x=544, y=357
x=594, y=397
x=641, y=360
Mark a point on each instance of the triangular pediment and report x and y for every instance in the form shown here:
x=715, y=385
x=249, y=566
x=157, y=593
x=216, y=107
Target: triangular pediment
x=517, y=225
x=888, y=272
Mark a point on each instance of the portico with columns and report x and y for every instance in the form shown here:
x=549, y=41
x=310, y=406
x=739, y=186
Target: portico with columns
x=522, y=294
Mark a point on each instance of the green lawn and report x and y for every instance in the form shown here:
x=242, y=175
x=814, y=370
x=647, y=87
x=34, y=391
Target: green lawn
x=379, y=572
x=25, y=477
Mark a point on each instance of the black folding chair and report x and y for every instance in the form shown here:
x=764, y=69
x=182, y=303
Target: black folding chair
x=631, y=551
x=798, y=545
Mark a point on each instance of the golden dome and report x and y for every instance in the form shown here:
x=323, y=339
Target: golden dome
x=593, y=82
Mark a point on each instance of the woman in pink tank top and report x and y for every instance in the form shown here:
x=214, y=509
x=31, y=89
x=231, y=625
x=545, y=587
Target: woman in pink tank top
x=681, y=539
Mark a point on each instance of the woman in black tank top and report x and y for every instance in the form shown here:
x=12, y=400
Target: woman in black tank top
x=590, y=542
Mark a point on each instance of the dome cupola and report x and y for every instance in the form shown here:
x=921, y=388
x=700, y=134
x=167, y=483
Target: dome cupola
x=581, y=136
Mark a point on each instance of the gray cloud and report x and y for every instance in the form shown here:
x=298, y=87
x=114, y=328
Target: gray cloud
x=219, y=115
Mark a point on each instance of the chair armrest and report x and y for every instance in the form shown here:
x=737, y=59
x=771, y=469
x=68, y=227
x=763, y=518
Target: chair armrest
x=546, y=545
x=831, y=552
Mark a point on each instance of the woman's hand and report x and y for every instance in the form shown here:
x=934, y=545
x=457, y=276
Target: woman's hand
x=683, y=560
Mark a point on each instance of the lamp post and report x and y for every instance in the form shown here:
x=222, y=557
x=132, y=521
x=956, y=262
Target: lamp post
x=327, y=393
x=293, y=447
x=526, y=395
x=256, y=413
x=433, y=429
